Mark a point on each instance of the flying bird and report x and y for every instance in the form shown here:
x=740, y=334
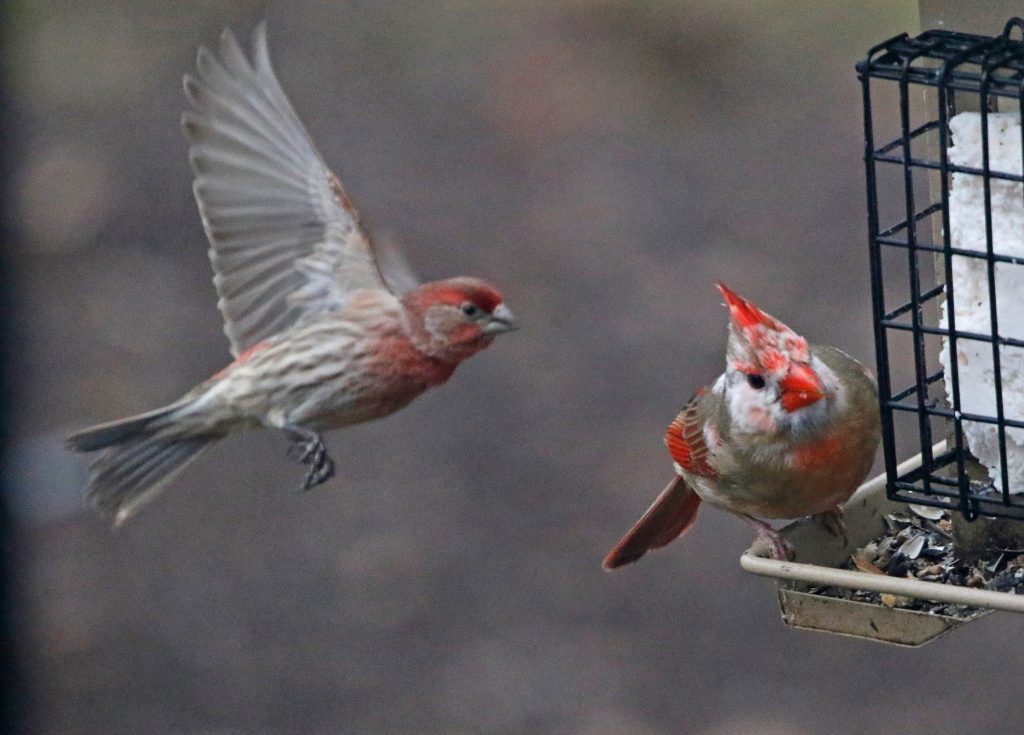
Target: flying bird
x=326, y=330
x=788, y=430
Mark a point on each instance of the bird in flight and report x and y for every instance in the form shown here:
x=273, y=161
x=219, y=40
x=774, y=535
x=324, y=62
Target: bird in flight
x=326, y=329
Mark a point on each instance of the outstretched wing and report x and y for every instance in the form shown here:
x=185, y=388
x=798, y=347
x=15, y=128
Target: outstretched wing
x=285, y=240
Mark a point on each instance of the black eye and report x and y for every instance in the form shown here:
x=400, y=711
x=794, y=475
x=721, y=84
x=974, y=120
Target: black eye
x=470, y=309
x=755, y=381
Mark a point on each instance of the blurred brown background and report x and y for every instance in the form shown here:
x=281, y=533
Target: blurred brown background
x=605, y=162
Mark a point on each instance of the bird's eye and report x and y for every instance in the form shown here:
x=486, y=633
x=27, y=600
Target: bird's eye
x=470, y=309
x=755, y=381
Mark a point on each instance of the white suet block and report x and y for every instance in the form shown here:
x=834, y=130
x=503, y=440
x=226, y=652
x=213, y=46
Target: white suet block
x=971, y=290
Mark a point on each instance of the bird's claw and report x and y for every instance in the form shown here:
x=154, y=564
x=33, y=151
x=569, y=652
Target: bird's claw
x=312, y=451
x=320, y=472
x=301, y=450
x=778, y=547
x=832, y=520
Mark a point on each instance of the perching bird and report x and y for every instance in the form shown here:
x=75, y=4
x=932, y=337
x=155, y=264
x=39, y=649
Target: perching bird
x=788, y=430
x=325, y=331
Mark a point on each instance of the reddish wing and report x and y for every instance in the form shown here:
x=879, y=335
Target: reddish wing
x=685, y=439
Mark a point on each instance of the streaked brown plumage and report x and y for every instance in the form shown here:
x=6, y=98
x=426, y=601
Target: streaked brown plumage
x=326, y=331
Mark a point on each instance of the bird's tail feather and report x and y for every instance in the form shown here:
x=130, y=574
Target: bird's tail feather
x=141, y=454
x=670, y=516
x=121, y=430
x=127, y=476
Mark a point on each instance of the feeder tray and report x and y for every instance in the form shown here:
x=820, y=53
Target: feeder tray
x=819, y=555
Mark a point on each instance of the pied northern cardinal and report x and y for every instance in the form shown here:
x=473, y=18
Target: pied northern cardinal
x=326, y=330
x=788, y=430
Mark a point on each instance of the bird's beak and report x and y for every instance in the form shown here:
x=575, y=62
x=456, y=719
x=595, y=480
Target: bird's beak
x=801, y=387
x=502, y=320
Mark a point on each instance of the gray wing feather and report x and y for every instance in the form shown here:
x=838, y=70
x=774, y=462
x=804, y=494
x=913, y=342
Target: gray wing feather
x=394, y=267
x=285, y=241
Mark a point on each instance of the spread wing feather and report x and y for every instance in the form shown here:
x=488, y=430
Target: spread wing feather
x=285, y=241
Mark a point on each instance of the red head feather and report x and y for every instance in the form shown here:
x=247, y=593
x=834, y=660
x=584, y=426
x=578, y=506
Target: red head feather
x=761, y=342
x=457, y=291
x=744, y=314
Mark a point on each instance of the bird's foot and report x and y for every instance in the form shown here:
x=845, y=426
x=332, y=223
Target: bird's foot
x=319, y=472
x=308, y=447
x=778, y=547
x=832, y=520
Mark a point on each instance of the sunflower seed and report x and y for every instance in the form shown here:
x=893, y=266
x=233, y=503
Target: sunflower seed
x=927, y=511
x=912, y=547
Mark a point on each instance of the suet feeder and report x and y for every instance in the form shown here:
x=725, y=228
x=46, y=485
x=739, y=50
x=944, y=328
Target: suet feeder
x=944, y=157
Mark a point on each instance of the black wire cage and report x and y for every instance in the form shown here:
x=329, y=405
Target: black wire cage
x=943, y=143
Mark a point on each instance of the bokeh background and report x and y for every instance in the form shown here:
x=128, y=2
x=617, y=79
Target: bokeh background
x=605, y=161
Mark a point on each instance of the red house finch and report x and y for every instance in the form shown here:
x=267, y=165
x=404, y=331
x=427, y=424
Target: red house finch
x=325, y=331
x=786, y=431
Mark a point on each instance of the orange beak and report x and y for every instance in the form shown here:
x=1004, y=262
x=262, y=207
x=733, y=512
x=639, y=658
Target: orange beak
x=801, y=387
